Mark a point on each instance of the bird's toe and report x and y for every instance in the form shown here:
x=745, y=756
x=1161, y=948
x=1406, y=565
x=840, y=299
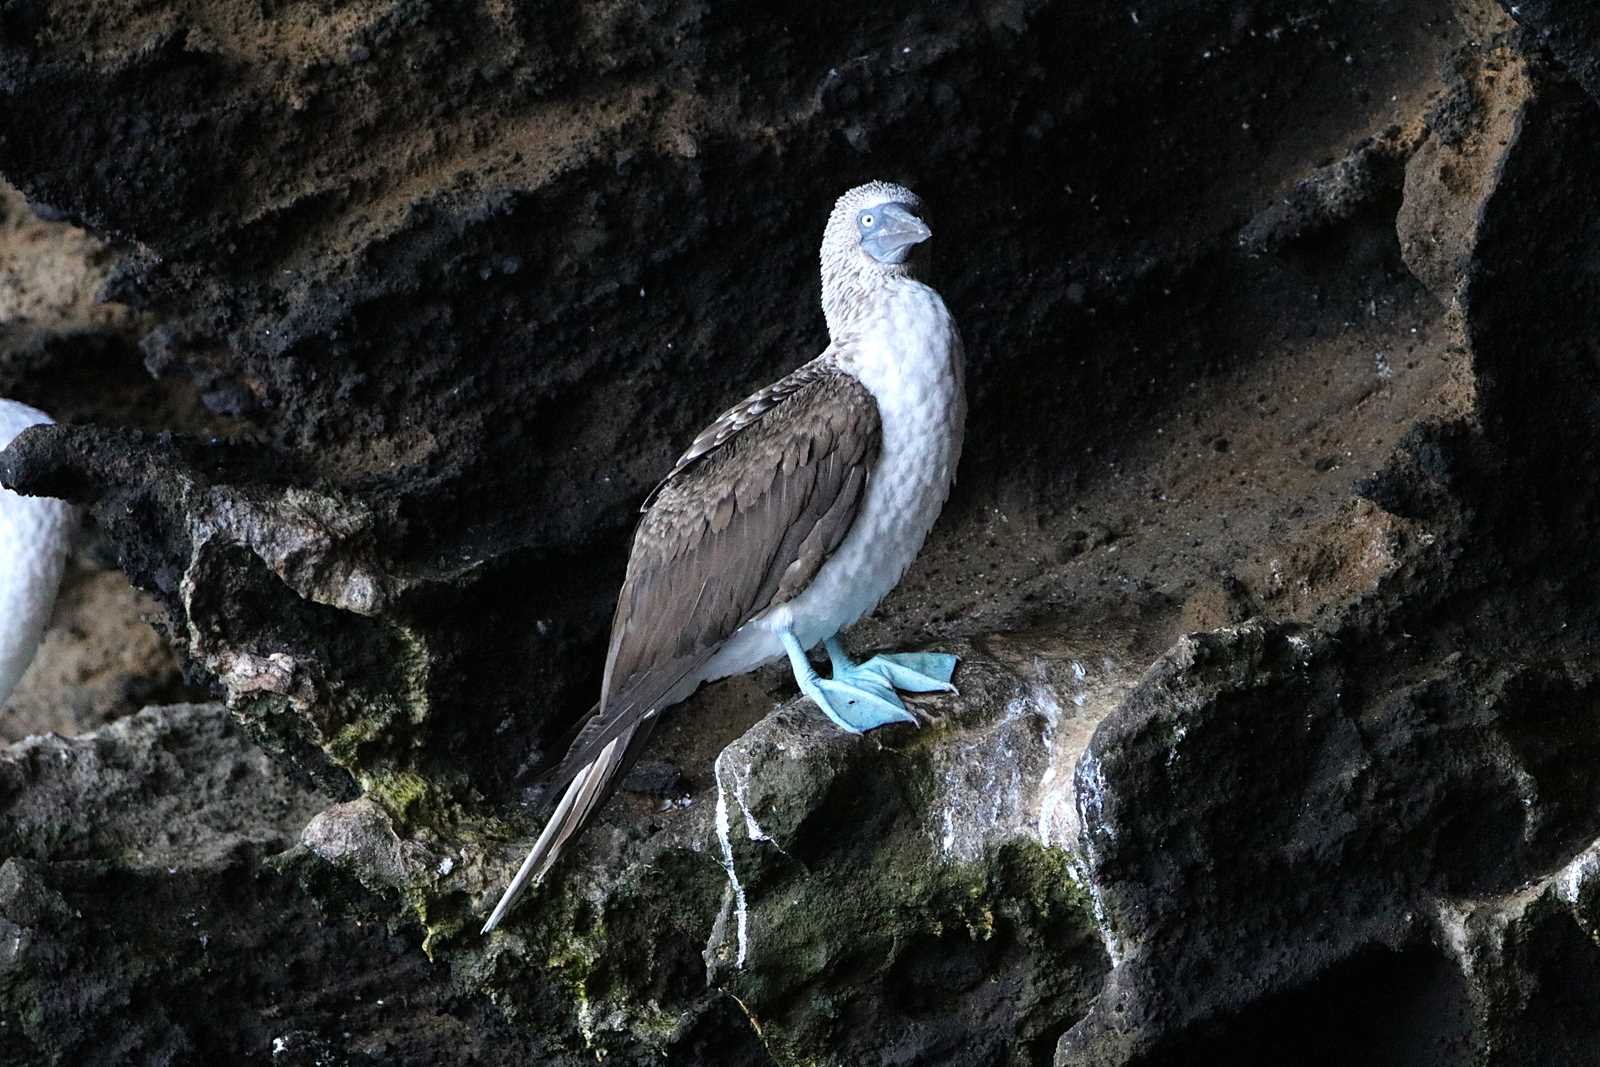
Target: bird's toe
x=914, y=672
x=861, y=703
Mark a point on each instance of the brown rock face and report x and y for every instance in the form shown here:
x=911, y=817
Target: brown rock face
x=1272, y=559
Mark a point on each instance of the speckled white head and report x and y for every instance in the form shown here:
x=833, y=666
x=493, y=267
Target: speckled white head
x=866, y=245
x=34, y=535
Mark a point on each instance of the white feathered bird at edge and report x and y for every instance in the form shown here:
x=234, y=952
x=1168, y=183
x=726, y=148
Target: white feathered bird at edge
x=35, y=535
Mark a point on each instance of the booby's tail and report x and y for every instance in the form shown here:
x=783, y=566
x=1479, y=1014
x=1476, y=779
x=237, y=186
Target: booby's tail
x=585, y=794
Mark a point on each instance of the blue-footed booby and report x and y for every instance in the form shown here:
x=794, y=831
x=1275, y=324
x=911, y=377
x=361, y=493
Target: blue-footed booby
x=790, y=517
x=34, y=536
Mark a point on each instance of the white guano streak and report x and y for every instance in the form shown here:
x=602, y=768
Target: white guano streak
x=740, y=908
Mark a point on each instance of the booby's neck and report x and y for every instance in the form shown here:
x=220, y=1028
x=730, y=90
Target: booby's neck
x=853, y=291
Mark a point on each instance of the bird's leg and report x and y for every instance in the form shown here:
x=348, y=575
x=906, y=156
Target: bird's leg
x=838, y=657
x=860, y=697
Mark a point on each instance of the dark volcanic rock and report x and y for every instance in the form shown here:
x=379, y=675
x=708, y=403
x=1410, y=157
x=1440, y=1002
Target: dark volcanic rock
x=1272, y=561
x=1410, y=814
x=146, y=884
x=1389, y=814
x=1570, y=31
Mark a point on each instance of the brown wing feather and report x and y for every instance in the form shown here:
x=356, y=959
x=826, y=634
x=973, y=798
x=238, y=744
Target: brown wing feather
x=743, y=524
x=727, y=425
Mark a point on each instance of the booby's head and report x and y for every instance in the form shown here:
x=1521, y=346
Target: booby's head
x=870, y=236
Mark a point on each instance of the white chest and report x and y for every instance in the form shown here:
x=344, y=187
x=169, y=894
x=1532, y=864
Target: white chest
x=909, y=357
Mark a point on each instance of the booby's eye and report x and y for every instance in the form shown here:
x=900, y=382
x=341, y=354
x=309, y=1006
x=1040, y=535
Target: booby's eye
x=867, y=220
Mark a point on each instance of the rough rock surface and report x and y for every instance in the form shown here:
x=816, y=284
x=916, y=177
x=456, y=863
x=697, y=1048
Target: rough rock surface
x=100, y=659
x=1271, y=563
x=154, y=909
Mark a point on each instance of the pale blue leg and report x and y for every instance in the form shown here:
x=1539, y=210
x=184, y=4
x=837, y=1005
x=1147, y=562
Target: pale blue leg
x=862, y=697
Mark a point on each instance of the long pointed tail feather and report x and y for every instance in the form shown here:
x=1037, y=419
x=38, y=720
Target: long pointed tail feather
x=539, y=856
x=584, y=795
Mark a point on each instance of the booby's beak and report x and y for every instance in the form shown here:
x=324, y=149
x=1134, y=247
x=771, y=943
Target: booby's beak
x=897, y=233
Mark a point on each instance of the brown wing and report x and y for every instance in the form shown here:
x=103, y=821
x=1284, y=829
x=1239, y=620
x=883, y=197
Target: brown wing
x=747, y=517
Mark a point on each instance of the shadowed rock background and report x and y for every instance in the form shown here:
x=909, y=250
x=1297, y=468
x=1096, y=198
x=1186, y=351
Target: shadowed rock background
x=1273, y=559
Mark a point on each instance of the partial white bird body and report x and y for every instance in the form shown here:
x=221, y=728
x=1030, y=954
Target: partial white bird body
x=35, y=534
x=788, y=518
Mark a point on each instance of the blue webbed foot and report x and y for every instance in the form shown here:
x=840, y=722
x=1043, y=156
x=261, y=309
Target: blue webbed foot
x=912, y=672
x=909, y=672
x=861, y=697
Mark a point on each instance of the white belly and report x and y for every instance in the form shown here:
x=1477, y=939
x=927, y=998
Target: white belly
x=910, y=362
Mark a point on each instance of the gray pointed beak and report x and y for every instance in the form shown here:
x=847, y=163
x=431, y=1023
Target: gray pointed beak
x=898, y=232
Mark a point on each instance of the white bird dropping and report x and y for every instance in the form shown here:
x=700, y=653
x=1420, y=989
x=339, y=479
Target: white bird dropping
x=34, y=536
